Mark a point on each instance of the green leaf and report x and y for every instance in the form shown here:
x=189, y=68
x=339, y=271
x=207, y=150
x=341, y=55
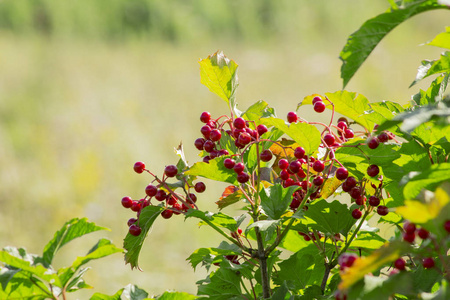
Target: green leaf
x=306, y=135
x=258, y=110
x=442, y=39
x=15, y=258
x=176, y=296
x=429, y=179
x=21, y=287
x=224, y=284
x=328, y=217
x=300, y=270
x=265, y=226
x=434, y=93
x=217, y=219
x=133, y=292
x=207, y=255
x=71, y=230
x=361, y=43
x=133, y=244
x=103, y=248
x=213, y=170
x=99, y=296
x=275, y=200
x=219, y=75
x=368, y=240
x=431, y=67
x=411, y=120
x=78, y=282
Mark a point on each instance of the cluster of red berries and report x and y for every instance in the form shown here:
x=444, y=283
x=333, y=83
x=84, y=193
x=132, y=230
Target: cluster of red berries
x=173, y=202
x=239, y=131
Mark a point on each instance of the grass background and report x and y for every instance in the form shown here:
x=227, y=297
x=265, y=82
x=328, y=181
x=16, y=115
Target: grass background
x=89, y=87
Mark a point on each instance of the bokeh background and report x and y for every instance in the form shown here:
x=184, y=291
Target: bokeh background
x=88, y=87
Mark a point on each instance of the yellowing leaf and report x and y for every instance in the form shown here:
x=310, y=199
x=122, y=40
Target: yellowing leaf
x=366, y=265
x=421, y=212
x=219, y=74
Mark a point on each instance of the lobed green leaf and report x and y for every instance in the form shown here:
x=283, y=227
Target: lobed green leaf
x=213, y=170
x=431, y=67
x=219, y=75
x=275, y=200
x=306, y=135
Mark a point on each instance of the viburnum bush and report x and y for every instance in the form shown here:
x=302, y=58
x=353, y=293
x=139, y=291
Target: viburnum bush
x=308, y=188
x=314, y=194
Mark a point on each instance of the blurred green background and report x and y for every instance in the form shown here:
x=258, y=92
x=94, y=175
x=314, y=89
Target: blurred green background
x=88, y=87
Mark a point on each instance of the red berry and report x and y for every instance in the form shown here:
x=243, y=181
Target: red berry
x=355, y=192
x=373, y=142
x=351, y=182
x=343, y=119
x=400, y=264
x=318, y=166
x=192, y=198
x=342, y=125
x=167, y=213
x=409, y=237
x=284, y=175
x=139, y=167
x=305, y=185
x=200, y=187
x=244, y=138
x=373, y=170
x=205, y=117
x=374, y=201
x=171, y=200
x=292, y=117
x=339, y=295
x=299, y=152
x=318, y=181
x=423, y=233
x=347, y=260
x=382, y=210
x=319, y=107
x=261, y=129
x=316, y=99
x=356, y=214
x=206, y=159
x=266, y=155
x=135, y=230
x=131, y=221
x=428, y=262
x=229, y=163
x=199, y=143
x=136, y=206
x=329, y=139
x=160, y=195
x=294, y=166
x=348, y=133
x=341, y=173
x=283, y=164
x=447, y=226
x=215, y=135
x=295, y=203
x=209, y=146
x=409, y=227
x=383, y=137
x=243, y=177
x=206, y=131
x=239, y=123
x=239, y=168
x=171, y=171
x=127, y=202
